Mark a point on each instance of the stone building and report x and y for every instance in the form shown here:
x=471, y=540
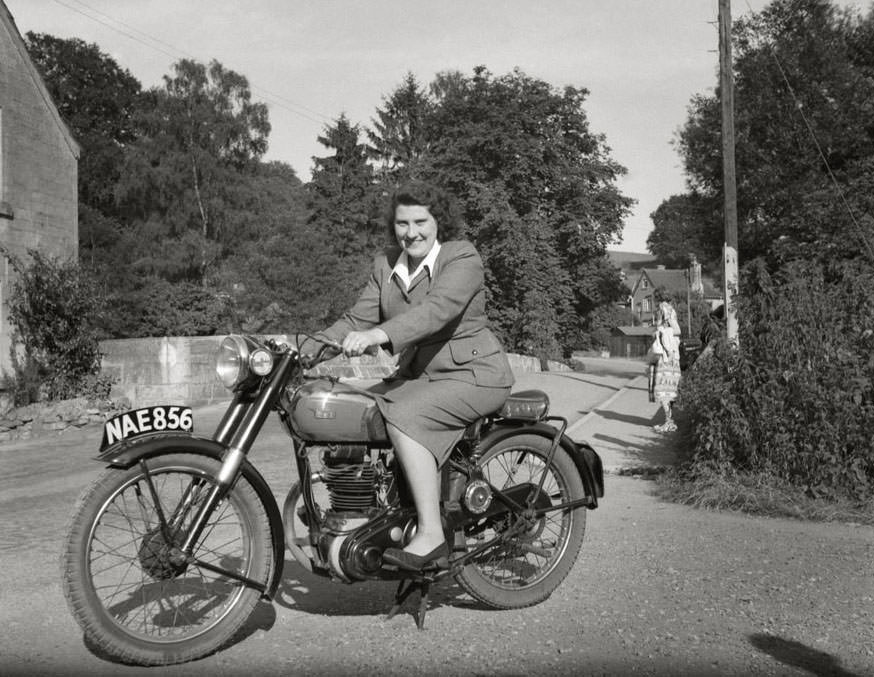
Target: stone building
x=38, y=169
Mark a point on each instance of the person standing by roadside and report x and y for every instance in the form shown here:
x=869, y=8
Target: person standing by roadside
x=667, y=371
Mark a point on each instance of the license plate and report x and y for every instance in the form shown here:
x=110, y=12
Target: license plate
x=144, y=421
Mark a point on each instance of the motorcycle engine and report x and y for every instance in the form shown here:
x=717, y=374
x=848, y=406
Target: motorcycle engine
x=359, y=485
x=350, y=475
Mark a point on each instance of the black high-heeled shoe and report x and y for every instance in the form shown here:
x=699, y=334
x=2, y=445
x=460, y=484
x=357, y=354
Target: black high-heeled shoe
x=438, y=558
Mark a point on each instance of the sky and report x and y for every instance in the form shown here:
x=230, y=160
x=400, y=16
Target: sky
x=310, y=61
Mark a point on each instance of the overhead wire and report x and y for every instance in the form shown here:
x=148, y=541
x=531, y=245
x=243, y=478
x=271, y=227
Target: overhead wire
x=164, y=48
x=860, y=231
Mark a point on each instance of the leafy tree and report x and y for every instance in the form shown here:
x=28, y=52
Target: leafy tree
x=181, y=186
x=98, y=100
x=539, y=196
x=344, y=227
x=684, y=225
x=399, y=136
x=803, y=91
x=342, y=193
x=283, y=279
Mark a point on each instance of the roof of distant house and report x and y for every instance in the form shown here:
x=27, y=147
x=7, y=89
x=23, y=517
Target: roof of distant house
x=669, y=278
x=630, y=260
x=674, y=280
x=633, y=331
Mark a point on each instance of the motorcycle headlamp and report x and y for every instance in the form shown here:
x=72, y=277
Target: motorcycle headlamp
x=239, y=359
x=261, y=362
x=232, y=361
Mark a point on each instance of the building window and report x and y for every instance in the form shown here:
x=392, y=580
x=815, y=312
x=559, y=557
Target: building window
x=644, y=283
x=646, y=305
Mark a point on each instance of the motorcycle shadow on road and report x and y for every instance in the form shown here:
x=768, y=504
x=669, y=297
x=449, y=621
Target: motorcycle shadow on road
x=303, y=591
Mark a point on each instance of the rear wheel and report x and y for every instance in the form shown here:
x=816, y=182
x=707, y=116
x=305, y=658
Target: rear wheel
x=126, y=586
x=528, y=567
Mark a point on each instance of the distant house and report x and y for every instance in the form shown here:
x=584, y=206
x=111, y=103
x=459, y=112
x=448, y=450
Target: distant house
x=38, y=168
x=630, y=264
x=630, y=342
x=673, y=281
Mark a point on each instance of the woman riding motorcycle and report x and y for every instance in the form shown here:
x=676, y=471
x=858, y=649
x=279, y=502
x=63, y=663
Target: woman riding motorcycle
x=425, y=301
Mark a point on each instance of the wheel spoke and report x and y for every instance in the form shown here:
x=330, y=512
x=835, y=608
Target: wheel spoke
x=529, y=556
x=140, y=584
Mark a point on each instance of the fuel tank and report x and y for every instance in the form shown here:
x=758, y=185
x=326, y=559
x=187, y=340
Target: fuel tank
x=326, y=411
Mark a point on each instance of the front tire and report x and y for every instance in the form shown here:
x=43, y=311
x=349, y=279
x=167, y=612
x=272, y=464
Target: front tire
x=131, y=599
x=527, y=569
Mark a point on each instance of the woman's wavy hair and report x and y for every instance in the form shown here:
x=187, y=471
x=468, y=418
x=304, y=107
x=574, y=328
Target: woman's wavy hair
x=440, y=204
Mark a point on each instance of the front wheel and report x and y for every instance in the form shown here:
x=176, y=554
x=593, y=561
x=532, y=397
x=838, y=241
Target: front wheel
x=124, y=583
x=532, y=561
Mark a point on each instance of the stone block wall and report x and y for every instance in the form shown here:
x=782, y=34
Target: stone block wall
x=181, y=370
x=169, y=370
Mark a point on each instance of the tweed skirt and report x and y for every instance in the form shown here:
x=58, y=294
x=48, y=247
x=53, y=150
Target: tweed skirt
x=435, y=413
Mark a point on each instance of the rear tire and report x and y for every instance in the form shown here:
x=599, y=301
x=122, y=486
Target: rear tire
x=130, y=600
x=530, y=567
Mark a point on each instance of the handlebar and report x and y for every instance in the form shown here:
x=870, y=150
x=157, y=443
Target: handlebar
x=328, y=350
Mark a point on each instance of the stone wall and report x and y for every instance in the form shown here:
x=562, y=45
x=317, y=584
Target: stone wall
x=54, y=418
x=181, y=370
x=178, y=370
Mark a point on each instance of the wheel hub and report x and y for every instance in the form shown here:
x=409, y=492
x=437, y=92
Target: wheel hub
x=159, y=559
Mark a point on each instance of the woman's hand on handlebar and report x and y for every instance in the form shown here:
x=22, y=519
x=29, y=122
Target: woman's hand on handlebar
x=360, y=342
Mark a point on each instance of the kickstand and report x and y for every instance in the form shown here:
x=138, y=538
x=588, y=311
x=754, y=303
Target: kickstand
x=405, y=588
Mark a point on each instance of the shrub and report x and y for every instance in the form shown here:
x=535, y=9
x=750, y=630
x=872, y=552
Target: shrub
x=53, y=308
x=796, y=399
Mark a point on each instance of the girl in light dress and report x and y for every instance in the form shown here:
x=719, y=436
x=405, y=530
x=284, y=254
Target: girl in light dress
x=667, y=374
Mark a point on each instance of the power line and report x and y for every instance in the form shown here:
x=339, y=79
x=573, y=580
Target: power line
x=163, y=47
x=800, y=108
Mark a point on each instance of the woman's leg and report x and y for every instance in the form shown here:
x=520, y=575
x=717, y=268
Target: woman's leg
x=420, y=470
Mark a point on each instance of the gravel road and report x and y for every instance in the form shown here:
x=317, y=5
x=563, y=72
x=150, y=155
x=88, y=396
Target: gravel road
x=659, y=589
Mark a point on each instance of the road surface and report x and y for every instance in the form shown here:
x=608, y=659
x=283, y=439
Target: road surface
x=659, y=589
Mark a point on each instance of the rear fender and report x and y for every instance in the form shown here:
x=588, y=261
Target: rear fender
x=585, y=458
x=124, y=454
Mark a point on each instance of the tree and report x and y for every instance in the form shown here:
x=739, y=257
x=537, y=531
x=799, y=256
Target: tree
x=803, y=87
x=539, y=198
x=399, y=136
x=342, y=191
x=683, y=226
x=199, y=134
x=98, y=99
x=344, y=202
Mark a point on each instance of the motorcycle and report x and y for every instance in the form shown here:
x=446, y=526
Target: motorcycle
x=174, y=544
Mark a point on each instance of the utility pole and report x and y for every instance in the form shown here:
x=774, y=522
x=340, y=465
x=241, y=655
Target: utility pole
x=729, y=250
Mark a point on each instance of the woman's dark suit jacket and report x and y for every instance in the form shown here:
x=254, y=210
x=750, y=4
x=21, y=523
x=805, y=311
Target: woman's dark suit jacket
x=438, y=326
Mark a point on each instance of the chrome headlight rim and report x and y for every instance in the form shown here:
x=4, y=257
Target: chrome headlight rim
x=261, y=362
x=232, y=361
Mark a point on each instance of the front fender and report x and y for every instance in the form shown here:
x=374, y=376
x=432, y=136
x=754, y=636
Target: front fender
x=585, y=458
x=124, y=454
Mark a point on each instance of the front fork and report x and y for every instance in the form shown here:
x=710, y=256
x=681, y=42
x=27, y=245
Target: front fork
x=237, y=431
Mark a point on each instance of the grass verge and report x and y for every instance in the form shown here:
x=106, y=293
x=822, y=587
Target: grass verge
x=757, y=495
